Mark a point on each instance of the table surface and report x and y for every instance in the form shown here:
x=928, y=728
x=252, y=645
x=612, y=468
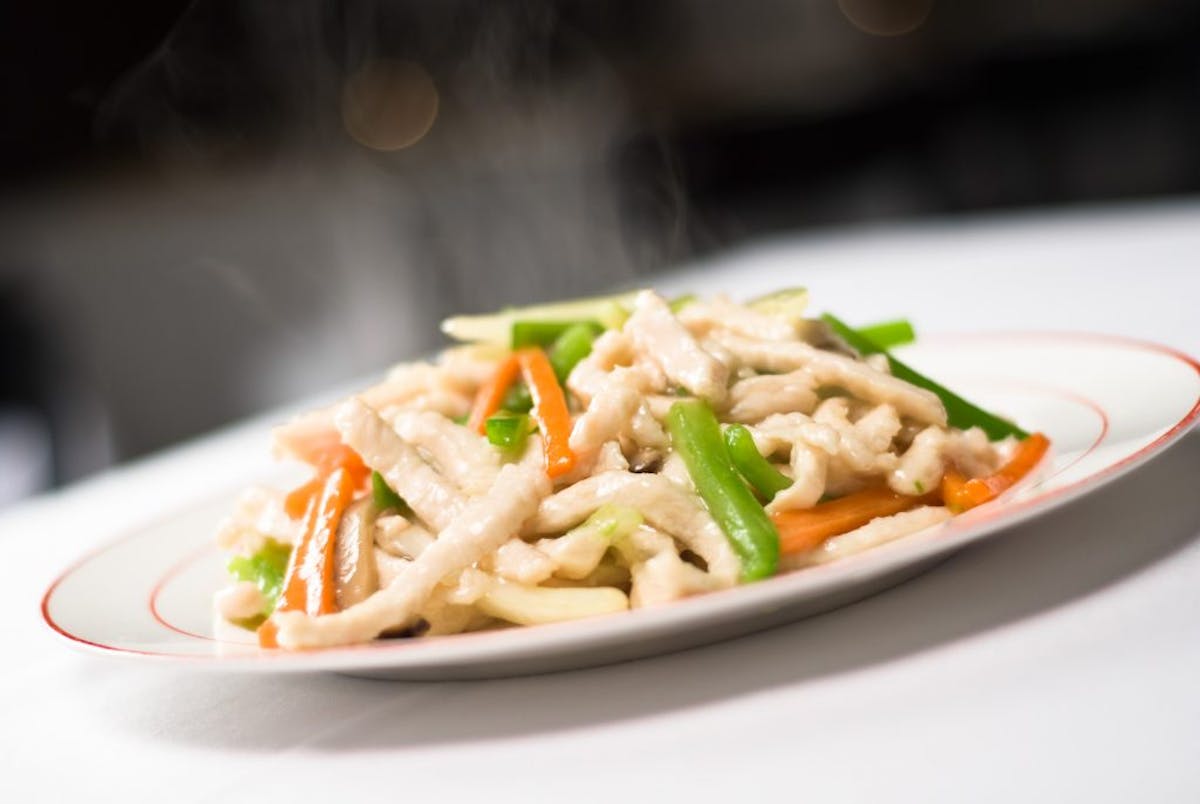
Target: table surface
x=1056, y=663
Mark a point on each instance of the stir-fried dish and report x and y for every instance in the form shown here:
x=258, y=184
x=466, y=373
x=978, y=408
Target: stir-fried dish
x=586, y=458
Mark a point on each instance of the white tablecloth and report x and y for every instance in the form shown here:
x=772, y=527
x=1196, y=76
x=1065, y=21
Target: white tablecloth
x=1058, y=663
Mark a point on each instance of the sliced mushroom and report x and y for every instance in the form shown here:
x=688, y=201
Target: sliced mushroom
x=354, y=559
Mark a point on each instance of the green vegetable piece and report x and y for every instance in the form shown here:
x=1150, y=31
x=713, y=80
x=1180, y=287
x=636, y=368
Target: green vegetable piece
x=385, y=499
x=610, y=311
x=544, y=333
x=960, y=413
x=679, y=302
x=265, y=569
x=758, y=471
x=573, y=345
x=696, y=436
x=789, y=303
x=888, y=334
x=517, y=399
x=614, y=521
x=508, y=431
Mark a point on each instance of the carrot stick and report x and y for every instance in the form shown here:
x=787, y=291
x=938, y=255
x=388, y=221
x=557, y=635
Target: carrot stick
x=806, y=529
x=952, y=489
x=491, y=394
x=549, y=410
x=309, y=585
x=296, y=503
x=980, y=490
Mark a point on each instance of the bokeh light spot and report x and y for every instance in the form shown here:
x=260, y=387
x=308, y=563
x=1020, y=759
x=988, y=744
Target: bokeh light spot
x=886, y=17
x=388, y=105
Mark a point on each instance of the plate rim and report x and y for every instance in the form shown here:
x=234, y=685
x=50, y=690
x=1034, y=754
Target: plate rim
x=375, y=656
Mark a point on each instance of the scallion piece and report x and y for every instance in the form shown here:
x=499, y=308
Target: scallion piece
x=508, y=431
x=889, y=334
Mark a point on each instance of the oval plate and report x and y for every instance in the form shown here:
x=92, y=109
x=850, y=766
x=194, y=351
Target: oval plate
x=1108, y=404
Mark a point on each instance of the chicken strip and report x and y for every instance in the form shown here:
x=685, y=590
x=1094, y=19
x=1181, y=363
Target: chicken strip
x=463, y=457
x=660, y=336
x=483, y=525
x=434, y=499
x=834, y=370
x=755, y=398
x=664, y=505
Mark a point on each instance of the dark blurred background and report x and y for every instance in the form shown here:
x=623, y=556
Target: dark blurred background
x=210, y=208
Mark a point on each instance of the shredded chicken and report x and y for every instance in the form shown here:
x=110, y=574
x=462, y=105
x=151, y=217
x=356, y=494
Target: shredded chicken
x=755, y=398
x=464, y=458
x=480, y=536
x=657, y=333
x=257, y=516
x=719, y=312
x=482, y=526
x=661, y=502
x=432, y=496
x=834, y=370
x=881, y=530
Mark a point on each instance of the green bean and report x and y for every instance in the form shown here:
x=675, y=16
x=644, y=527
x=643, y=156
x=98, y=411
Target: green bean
x=758, y=471
x=696, y=436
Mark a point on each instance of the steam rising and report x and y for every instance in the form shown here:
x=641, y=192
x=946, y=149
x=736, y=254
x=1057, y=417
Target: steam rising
x=346, y=175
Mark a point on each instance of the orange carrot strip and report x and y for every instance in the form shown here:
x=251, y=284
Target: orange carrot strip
x=980, y=490
x=549, y=410
x=806, y=529
x=952, y=490
x=491, y=394
x=308, y=585
x=296, y=503
x=267, y=633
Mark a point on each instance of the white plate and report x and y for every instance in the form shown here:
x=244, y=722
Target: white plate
x=1108, y=404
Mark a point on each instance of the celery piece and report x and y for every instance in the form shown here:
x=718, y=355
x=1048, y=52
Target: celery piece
x=609, y=311
x=789, y=303
x=614, y=521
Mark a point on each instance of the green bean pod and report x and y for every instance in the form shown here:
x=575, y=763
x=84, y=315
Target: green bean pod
x=758, y=471
x=696, y=436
